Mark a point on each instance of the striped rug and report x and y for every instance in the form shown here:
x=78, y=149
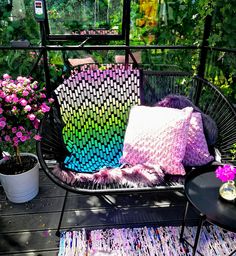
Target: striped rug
x=146, y=241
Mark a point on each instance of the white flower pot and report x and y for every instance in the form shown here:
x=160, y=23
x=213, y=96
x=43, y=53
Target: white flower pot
x=22, y=187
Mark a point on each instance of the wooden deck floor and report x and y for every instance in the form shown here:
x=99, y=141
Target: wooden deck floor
x=29, y=229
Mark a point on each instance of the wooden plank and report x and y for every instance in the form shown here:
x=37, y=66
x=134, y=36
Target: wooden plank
x=141, y=216
x=50, y=190
x=29, y=222
x=75, y=202
x=37, y=253
x=27, y=242
x=43, y=178
x=94, y=218
x=148, y=200
x=36, y=205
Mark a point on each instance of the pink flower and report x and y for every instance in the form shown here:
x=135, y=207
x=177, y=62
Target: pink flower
x=36, y=123
x=20, y=79
x=2, y=124
x=15, y=99
x=27, y=80
x=3, y=119
x=21, y=128
x=14, y=110
x=43, y=95
x=25, y=93
x=44, y=108
x=15, y=144
x=1, y=111
x=23, y=138
x=225, y=172
x=27, y=108
x=23, y=102
x=8, y=99
x=50, y=100
x=16, y=141
x=2, y=94
x=6, y=76
x=31, y=117
x=37, y=137
x=14, y=129
x=19, y=134
x=28, y=88
x=7, y=138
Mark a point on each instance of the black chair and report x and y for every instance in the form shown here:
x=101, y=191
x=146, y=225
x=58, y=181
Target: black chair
x=137, y=87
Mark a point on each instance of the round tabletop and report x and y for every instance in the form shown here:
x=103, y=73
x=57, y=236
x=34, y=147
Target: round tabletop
x=202, y=191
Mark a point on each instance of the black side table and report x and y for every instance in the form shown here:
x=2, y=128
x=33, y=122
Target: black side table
x=202, y=192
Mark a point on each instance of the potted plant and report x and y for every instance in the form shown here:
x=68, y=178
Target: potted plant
x=23, y=104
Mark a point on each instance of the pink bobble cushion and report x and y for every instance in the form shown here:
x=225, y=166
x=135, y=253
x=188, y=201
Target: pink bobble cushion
x=196, y=149
x=157, y=136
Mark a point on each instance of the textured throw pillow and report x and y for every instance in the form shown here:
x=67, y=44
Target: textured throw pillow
x=156, y=136
x=180, y=102
x=197, y=153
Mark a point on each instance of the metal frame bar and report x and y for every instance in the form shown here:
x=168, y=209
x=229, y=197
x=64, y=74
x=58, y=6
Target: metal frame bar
x=127, y=31
x=58, y=233
x=199, y=228
x=205, y=44
x=100, y=47
x=116, y=47
x=43, y=33
x=203, y=55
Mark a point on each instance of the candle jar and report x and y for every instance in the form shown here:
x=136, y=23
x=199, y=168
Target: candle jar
x=228, y=191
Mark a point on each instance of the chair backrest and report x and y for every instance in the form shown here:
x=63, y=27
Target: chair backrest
x=203, y=94
x=155, y=86
x=94, y=107
x=213, y=103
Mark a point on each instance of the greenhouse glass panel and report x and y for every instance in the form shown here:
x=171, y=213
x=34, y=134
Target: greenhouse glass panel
x=86, y=17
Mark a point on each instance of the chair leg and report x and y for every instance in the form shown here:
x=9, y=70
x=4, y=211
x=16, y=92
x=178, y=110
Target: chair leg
x=58, y=233
x=183, y=222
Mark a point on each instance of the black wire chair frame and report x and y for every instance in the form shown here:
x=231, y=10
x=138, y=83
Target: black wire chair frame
x=155, y=85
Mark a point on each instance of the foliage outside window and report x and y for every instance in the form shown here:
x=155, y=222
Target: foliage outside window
x=87, y=17
x=162, y=22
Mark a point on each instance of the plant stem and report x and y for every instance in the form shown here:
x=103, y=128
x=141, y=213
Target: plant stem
x=18, y=158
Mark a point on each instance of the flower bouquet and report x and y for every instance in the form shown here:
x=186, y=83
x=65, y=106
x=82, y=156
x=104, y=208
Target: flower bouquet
x=22, y=104
x=226, y=174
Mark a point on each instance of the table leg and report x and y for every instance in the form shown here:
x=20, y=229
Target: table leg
x=183, y=222
x=202, y=218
